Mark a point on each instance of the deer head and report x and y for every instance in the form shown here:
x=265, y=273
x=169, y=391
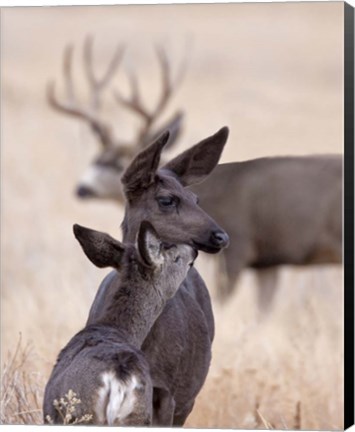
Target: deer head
x=150, y=274
x=160, y=196
x=103, y=177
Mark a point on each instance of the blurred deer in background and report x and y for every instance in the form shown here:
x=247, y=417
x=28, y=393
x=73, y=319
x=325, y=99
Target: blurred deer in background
x=276, y=210
x=103, y=178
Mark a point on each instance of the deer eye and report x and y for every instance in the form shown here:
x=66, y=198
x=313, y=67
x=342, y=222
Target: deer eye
x=177, y=259
x=166, y=201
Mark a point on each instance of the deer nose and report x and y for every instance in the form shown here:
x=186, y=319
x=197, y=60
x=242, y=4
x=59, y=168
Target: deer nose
x=220, y=238
x=84, y=191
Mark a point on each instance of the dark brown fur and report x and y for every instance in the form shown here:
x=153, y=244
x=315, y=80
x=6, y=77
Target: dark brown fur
x=178, y=346
x=149, y=276
x=91, y=352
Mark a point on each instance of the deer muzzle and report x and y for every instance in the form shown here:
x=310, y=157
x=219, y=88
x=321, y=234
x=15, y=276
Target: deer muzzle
x=217, y=241
x=220, y=239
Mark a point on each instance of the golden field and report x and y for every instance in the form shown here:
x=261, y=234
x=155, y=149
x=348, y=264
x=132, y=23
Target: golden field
x=272, y=73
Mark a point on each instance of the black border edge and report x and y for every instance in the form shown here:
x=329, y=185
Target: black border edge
x=348, y=215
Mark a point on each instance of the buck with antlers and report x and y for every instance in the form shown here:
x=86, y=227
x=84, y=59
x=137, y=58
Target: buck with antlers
x=103, y=179
x=277, y=210
x=103, y=364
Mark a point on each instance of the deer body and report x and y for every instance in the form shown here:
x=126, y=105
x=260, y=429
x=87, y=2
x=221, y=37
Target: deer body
x=178, y=347
x=103, y=363
x=103, y=371
x=278, y=210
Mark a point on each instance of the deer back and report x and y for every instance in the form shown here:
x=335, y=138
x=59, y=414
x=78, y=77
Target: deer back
x=99, y=379
x=102, y=364
x=287, y=208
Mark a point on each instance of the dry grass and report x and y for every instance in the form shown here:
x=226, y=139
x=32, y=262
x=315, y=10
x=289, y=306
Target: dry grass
x=283, y=371
x=66, y=406
x=21, y=388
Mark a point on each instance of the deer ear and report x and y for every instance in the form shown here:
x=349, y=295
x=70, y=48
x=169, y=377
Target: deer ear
x=141, y=172
x=196, y=163
x=149, y=244
x=101, y=249
x=174, y=126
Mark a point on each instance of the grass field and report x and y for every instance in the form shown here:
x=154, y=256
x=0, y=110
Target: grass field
x=272, y=73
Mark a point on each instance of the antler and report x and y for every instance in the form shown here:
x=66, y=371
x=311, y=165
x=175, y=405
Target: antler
x=135, y=104
x=71, y=106
x=97, y=84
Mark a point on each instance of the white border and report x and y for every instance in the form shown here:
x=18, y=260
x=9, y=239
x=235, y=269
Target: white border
x=14, y=3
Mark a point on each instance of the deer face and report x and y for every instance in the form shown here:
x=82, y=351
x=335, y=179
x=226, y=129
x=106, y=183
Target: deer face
x=165, y=264
x=159, y=196
x=175, y=213
x=103, y=177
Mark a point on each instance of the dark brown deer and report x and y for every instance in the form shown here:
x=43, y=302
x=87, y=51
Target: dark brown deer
x=178, y=347
x=103, y=178
x=103, y=364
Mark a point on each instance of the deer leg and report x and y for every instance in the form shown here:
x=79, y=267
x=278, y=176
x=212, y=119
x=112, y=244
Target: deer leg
x=266, y=289
x=231, y=262
x=329, y=250
x=163, y=407
x=179, y=419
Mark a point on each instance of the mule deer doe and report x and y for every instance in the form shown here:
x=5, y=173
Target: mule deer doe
x=276, y=210
x=103, y=363
x=178, y=347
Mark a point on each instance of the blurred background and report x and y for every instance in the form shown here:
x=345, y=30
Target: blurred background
x=273, y=73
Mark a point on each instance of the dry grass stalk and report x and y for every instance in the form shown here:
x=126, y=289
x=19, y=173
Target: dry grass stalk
x=266, y=424
x=298, y=416
x=21, y=389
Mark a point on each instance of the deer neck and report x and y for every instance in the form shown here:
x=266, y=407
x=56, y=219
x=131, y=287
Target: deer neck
x=133, y=309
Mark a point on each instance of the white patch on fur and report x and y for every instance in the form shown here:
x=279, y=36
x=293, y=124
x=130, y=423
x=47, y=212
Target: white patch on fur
x=91, y=177
x=103, y=182
x=116, y=400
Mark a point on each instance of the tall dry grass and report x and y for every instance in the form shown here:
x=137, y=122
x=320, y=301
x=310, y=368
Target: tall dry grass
x=254, y=68
x=21, y=388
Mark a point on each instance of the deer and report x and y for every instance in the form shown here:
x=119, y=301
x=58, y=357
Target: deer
x=290, y=214
x=178, y=346
x=103, y=364
x=106, y=169
x=267, y=206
